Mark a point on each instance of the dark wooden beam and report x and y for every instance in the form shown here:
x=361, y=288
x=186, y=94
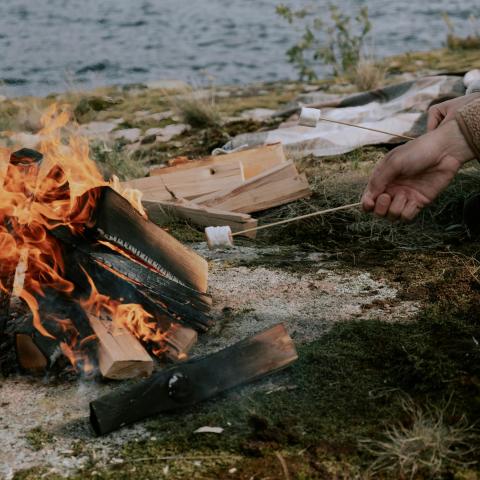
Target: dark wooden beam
x=194, y=381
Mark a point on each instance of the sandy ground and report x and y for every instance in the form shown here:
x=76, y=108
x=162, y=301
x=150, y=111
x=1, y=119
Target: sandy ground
x=308, y=293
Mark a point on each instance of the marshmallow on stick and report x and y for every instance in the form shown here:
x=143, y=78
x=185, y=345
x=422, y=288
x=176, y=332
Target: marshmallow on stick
x=219, y=237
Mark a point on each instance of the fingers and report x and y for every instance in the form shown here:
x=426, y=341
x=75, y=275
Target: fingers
x=382, y=205
x=410, y=211
x=383, y=174
x=435, y=117
x=397, y=206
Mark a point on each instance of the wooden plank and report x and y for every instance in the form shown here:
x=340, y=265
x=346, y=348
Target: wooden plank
x=194, y=381
x=188, y=183
x=277, y=186
x=161, y=212
x=254, y=161
x=120, y=355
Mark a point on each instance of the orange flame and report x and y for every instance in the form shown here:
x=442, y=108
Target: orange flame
x=36, y=200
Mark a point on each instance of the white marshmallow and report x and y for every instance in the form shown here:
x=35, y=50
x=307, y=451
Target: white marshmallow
x=219, y=237
x=472, y=76
x=309, y=117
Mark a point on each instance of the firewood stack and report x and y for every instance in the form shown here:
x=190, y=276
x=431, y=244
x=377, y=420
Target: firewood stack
x=223, y=190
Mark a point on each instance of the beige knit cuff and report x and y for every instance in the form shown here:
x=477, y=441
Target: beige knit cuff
x=468, y=119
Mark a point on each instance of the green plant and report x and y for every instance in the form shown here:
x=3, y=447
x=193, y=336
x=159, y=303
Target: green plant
x=336, y=43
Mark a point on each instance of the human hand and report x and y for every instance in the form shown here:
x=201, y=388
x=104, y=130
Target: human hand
x=411, y=176
x=446, y=111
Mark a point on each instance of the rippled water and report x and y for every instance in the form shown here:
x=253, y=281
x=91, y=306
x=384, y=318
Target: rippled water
x=46, y=45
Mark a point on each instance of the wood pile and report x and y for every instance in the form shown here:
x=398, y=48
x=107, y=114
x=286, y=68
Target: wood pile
x=224, y=189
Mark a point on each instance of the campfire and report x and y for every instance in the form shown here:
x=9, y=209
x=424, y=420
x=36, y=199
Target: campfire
x=84, y=274
x=87, y=278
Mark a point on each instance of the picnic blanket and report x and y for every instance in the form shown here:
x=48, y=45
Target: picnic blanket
x=399, y=108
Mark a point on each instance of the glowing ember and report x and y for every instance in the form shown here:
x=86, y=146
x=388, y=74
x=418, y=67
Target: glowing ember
x=40, y=195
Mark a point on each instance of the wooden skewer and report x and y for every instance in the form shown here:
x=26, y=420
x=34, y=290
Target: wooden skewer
x=406, y=137
x=300, y=217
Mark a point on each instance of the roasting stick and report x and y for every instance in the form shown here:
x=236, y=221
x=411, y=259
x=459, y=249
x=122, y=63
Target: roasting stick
x=309, y=117
x=223, y=236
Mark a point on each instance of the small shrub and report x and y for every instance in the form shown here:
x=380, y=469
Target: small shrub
x=337, y=43
x=368, y=75
x=196, y=109
x=470, y=42
x=116, y=161
x=427, y=445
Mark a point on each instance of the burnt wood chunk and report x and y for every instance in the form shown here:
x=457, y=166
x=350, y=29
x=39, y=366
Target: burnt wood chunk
x=117, y=221
x=66, y=323
x=113, y=282
x=194, y=381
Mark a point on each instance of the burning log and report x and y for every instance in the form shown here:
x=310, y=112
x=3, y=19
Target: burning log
x=194, y=381
x=20, y=181
x=68, y=334
x=118, y=222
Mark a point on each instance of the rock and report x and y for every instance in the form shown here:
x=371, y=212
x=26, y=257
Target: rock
x=131, y=135
x=165, y=134
x=167, y=85
x=154, y=131
x=142, y=113
x=100, y=130
x=257, y=114
x=159, y=116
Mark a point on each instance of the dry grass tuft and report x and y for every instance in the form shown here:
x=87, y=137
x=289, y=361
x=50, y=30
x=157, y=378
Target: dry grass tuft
x=196, y=108
x=368, y=75
x=427, y=446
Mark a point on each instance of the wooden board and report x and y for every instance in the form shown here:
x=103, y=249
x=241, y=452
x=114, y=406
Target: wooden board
x=161, y=212
x=277, y=186
x=253, y=161
x=194, y=381
x=120, y=355
x=188, y=183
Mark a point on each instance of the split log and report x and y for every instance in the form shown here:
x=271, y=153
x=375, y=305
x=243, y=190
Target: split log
x=179, y=342
x=188, y=183
x=194, y=381
x=21, y=177
x=117, y=221
x=160, y=212
x=253, y=161
x=120, y=355
x=277, y=186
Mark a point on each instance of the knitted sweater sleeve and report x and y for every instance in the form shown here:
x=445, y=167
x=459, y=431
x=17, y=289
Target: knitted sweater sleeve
x=468, y=119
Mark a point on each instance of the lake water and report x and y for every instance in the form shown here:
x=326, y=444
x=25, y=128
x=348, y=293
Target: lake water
x=50, y=45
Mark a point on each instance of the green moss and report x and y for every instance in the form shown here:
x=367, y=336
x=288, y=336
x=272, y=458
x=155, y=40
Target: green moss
x=38, y=438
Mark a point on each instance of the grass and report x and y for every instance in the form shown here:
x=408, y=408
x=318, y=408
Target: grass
x=115, y=161
x=197, y=108
x=368, y=75
x=346, y=386
x=426, y=444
